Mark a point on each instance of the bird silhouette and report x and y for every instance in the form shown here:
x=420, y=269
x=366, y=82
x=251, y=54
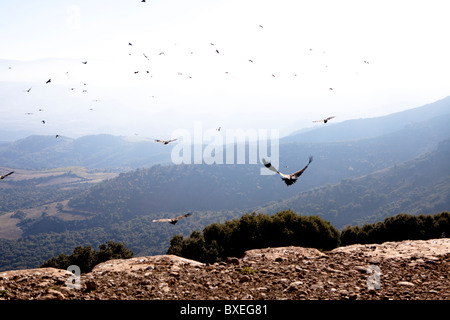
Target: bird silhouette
x=173, y=220
x=4, y=176
x=28, y=90
x=48, y=81
x=84, y=62
x=324, y=120
x=165, y=141
x=289, y=179
x=43, y=121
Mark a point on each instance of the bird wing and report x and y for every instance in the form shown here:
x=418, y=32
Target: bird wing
x=172, y=140
x=329, y=118
x=183, y=216
x=269, y=166
x=297, y=174
x=318, y=121
x=8, y=174
x=161, y=220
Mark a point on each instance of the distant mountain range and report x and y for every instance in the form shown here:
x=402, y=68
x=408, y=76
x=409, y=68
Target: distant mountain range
x=122, y=153
x=357, y=129
x=96, y=151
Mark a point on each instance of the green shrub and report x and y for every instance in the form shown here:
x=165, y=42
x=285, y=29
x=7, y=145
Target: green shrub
x=233, y=238
x=87, y=258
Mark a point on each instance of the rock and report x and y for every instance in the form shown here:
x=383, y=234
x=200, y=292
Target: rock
x=302, y=273
x=406, y=283
x=294, y=286
x=90, y=284
x=232, y=260
x=52, y=294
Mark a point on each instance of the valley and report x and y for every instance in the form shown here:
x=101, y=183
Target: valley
x=86, y=191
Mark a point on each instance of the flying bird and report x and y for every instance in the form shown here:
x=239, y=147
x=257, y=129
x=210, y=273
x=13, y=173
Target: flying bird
x=4, y=176
x=173, y=220
x=84, y=62
x=165, y=141
x=28, y=90
x=324, y=120
x=289, y=179
x=43, y=121
x=49, y=80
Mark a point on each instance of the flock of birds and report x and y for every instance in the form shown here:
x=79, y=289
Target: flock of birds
x=289, y=179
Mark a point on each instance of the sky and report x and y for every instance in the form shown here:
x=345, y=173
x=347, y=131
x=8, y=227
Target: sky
x=278, y=65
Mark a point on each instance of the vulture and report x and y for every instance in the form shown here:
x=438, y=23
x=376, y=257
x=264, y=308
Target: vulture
x=165, y=141
x=324, y=120
x=287, y=178
x=4, y=176
x=173, y=220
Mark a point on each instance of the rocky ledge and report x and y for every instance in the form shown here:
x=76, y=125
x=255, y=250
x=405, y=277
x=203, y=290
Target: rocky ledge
x=392, y=270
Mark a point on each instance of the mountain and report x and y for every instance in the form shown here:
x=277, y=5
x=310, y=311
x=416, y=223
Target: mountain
x=94, y=151
x=356, y=129
x=348, y=182
x=421, y=185
x=116, y=152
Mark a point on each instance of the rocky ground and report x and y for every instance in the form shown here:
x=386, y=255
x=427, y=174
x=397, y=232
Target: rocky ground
x=393, y=270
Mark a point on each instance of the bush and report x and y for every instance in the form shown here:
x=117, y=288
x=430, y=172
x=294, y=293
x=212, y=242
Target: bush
x=233, y=238
x=86, y=258
x=399, y=227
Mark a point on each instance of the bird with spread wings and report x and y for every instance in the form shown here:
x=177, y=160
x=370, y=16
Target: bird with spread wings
x=4, y=176
x=172, y=220
x=289, y=179
x=325, y=120
x=165, y=141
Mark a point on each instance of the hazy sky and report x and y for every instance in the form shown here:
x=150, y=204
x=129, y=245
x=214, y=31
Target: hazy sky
x=378, y=57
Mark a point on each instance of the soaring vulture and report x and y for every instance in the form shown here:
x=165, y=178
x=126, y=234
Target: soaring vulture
x=325, y=120
x=287, y=178
x=173, y=220
x=4, y=176
x=165, y=141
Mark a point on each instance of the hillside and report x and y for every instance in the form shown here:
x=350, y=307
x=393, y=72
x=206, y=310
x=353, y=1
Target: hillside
x=417, y=186
x=357, y=129
x=95, y=151
x=424, y=125
x=407, y=270
x=340, y=185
